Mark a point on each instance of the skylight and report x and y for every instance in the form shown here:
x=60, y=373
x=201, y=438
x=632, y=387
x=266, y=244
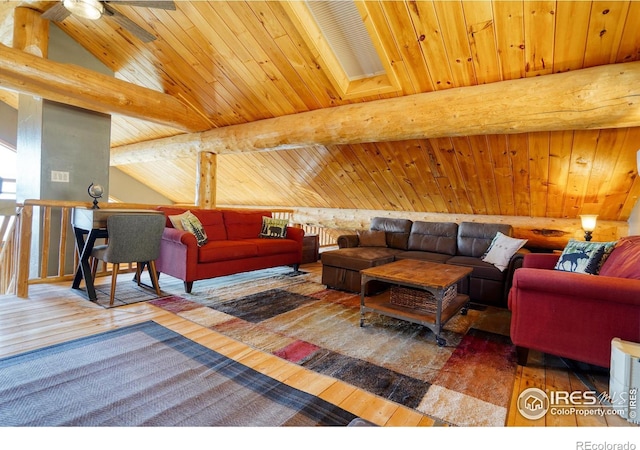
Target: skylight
x=347, y=36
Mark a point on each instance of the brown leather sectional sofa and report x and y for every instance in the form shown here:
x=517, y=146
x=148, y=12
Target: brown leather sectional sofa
x=461, y=244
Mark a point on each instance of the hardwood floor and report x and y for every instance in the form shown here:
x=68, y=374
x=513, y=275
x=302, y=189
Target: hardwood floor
x=54, y=314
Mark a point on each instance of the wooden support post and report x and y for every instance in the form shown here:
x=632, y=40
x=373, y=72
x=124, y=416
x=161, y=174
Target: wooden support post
x=24, y=252
x=206, y=180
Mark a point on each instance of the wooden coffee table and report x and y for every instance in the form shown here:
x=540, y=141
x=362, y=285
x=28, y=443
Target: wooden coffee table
x=421, y=275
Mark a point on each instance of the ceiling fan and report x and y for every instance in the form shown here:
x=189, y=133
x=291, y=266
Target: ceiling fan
x=95, y=9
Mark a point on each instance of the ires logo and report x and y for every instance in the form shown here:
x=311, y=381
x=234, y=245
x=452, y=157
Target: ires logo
x=534, y=403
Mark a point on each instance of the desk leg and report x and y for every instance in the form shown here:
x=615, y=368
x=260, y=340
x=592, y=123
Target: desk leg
x=84, y=268
x=79, y=247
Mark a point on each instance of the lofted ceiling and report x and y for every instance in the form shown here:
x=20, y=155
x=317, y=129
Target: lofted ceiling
x=239, y=62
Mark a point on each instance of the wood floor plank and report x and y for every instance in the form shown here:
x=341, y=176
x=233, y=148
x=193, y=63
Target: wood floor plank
x=53, y=314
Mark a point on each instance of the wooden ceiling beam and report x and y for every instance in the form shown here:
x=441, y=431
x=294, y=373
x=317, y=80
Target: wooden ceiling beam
x=84, y=88
x=595, y=98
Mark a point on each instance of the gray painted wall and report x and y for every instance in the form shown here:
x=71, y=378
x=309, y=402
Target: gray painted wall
x=8, y=125
x=129, y=190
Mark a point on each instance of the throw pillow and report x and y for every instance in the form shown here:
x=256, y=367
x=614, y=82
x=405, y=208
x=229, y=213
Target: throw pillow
x=176, y=220
x=584, y=257
x=623, y=261
x=501, y=250
x=191, y=224
x=274, y=228
x=372, y=238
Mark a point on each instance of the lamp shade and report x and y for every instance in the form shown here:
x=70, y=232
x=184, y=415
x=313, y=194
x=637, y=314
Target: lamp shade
x=87, y=9
x=588, y=221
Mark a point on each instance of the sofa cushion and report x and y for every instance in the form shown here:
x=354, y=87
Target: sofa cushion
x=624, y=261
x=212, y=222
x=424, y=256
x=358, y=258
x=216, y=251
x=480, y=268
x=273, y=228
x=244, y=224
x=396, y=230
x=267, y=247
x=583, y=256
x=372, y=238
x=436, y=237
x=475, y=238
x=502, y=249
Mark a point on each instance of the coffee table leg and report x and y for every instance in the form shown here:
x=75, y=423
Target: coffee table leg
x=440, y=341
x=363, y=283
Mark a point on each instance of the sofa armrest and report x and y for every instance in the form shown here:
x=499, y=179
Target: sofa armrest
x=296, y=234
x=178, y=254
x=557, y=283
x=348, y=241
x=516, y=261
x=180, y=237
x=540, y=260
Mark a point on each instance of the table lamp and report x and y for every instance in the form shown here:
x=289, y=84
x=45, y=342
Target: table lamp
x=588, y=224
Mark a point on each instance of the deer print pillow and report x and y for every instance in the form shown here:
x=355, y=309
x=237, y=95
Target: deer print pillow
x=584, y=257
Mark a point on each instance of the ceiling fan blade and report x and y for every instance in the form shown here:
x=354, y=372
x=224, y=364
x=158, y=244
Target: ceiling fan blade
x=57, y=13
x=128, y=24
x=158, y=4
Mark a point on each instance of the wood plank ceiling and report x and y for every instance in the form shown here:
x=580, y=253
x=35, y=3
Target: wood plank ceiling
x=241, y=61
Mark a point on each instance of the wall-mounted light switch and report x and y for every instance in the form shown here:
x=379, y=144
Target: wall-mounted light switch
x=59, y=177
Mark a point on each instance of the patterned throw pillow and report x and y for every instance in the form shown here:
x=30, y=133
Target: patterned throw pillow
x=274, y=228
x=501, y=250
x=176, y=220
x=191, y=224
x=584, y=257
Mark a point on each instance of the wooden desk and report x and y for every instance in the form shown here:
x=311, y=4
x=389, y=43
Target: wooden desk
x=89, y=225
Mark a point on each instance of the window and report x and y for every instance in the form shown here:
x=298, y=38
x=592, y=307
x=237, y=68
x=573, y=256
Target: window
x=7, y=172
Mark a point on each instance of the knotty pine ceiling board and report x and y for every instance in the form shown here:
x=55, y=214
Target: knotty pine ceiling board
x=481, y=30
x=605, y=32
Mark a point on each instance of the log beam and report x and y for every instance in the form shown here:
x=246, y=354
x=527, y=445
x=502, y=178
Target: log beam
x=594, y=98
x=84, y=88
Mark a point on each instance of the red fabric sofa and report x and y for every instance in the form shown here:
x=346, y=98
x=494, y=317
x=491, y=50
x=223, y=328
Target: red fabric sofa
x=233, y=245
x=576, y=315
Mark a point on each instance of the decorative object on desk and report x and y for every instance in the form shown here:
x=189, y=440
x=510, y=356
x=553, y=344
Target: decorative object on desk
x=588, y=224
x=95, y=192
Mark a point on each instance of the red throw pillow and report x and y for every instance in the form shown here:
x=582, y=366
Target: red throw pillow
x=624, y=261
